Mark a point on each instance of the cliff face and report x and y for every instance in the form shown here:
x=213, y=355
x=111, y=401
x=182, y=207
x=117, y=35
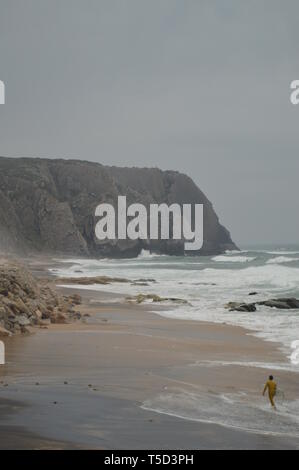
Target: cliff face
x=49, y=205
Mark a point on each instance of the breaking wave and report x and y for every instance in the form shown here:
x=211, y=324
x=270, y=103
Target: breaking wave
x=232, y=410
x=233, y=259
x=281, y=259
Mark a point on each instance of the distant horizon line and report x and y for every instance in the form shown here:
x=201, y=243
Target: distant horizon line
x=268, y=244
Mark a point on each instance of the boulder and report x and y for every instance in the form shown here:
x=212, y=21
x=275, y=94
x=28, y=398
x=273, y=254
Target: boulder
x=76, y=299
x=4, y=332
x=292, y=302
x=139, y=298
x=22, y=320
x=59, y=318
x=276, y=304
x=240, y=307
x=280, y=303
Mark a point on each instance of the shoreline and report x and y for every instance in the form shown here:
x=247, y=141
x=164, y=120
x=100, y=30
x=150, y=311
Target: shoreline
x=101, y=384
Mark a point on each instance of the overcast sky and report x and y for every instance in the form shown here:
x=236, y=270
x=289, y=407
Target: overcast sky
x=192, y=85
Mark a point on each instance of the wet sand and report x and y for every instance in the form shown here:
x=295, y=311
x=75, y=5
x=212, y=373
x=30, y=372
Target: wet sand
x=83, y=385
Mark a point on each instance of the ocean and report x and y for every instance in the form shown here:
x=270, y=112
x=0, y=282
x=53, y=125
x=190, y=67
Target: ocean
x=207, y=283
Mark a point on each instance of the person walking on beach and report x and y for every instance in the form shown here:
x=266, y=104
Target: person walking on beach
x=271, y=387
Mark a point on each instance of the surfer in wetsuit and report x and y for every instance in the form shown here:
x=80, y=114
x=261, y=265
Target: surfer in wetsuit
x=271, y=387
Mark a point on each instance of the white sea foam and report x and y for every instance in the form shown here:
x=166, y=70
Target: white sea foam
x=281, y=252
x=281, y=259
x=207, y=286
x=233, y=259
x=148, y=254
x=283, y=366
x=235, y=410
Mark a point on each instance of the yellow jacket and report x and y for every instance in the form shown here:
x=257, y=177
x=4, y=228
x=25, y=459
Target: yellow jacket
x=271, y=386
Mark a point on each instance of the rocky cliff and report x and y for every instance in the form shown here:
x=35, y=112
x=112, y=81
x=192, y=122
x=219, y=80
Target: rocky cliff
x=49, y=205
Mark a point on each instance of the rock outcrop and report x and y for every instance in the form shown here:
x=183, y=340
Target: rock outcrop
x=240, y=307
x=288, y=303
x=85, y=281
x=49, y=205
x=25, y=301
x=140, y=298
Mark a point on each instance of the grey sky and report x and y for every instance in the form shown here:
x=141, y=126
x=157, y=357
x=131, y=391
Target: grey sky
x=192, y=85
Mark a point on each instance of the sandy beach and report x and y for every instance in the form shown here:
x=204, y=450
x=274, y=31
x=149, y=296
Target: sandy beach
x=149, y=229
x=120, y=380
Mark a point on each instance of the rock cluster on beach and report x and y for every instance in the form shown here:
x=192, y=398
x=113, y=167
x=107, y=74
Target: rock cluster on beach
x=240, y=307
x=104, y=280
x=281, y=303
x=25, y=301
x=140, y=298
x=84, y=281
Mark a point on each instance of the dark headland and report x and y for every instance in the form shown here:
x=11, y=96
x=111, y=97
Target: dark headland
x=48, y=206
